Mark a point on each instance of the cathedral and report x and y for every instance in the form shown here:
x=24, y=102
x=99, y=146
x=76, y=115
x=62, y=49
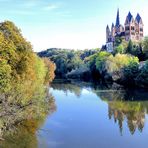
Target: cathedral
x=132, y=30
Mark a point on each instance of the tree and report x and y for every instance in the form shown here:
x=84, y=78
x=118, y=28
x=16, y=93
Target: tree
x=115, y=64
x=118, y=41
x=50, y=68
x=145, y=46
x=17, y=60
x=129, y=47
x=119, y=49
x=5, y=76
x=142, y=78
x=100, y=61
x=130, y=72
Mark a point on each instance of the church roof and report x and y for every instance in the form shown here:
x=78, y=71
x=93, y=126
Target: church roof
x=113, y=25
x=117, y=19
x=138, y=18
x=129, y=16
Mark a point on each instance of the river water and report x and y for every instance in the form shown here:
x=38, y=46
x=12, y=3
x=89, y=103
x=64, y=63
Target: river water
x=88, y=116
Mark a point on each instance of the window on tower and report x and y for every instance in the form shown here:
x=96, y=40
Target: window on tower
x=127, y=28
x=132, y=28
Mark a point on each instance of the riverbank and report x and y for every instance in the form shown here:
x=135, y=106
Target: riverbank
x=128, y=68
x=24, y=79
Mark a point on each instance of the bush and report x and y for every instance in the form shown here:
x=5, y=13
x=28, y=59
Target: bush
x=5, y=76
x=115, y=64
x=119, y=49
x=101, y=61
x=130, y=72
x=145, y=47
x=142, y=78
x=119, y=61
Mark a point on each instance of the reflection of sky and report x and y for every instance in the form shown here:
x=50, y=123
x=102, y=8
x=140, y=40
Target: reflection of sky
x=82, y=122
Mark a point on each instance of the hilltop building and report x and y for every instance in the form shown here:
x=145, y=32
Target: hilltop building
x=132, y=30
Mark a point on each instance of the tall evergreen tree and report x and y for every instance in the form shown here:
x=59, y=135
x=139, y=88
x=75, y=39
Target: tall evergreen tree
x=129, y=47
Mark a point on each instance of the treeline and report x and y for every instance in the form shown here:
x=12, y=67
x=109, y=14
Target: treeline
x=22, y=76
x=67, y=60
x=17, y=60
x=127, y=65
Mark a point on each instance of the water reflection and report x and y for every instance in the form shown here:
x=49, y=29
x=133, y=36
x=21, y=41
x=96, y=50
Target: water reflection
x=19, y=127
x=68, y=87
x=129, y=106
x=132, y=112
x=84, y=113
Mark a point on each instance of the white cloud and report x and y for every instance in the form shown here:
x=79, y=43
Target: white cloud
x=50, y=7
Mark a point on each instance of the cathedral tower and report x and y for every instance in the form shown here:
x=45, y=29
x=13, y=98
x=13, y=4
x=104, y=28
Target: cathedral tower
x=117, y=19
x=139, y=27
x=133, y=28
x=108, y=34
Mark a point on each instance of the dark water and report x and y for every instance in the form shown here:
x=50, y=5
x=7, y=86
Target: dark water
x=87, y=116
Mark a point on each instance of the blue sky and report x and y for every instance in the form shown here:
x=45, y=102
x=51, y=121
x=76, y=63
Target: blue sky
x=77, y=24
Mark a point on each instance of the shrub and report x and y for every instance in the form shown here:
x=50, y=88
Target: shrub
x=101, y=61
x=142, y=78
x=130, y=72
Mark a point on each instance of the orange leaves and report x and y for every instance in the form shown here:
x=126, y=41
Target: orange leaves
x=50, y=70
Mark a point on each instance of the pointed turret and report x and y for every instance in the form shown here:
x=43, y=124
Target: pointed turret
x=107, y=27
x=129, y=16
x=113, y=30
x=113, y=25
x=107, y=33
x=117, y=19
x=138, y=18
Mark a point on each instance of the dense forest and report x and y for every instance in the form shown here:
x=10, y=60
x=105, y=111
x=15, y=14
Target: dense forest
x=127, y=65
x=67, y=60
x=23, y=77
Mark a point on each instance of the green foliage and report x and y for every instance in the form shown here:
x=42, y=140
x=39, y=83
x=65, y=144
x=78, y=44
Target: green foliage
x=145, y=44
x=67, y=60
x=118, y=41
x=5, y=76
x=91, y=61
x=145, y=47
x=118, y=62
x=22, y=77
x=21, y=71
x=142, y=78
x=50, y=69
x=131, y=71
x=129, y=47
x=119, y=49
x=100, y=61
x=13, y=34
x=17, y=60
x=135, y=49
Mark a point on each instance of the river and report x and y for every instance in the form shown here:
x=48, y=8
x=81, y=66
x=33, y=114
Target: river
x=87, y=116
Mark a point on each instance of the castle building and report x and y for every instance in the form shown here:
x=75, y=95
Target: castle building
x=132, y=30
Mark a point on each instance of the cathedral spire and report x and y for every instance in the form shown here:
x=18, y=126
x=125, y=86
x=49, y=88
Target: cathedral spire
x=117, y=19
